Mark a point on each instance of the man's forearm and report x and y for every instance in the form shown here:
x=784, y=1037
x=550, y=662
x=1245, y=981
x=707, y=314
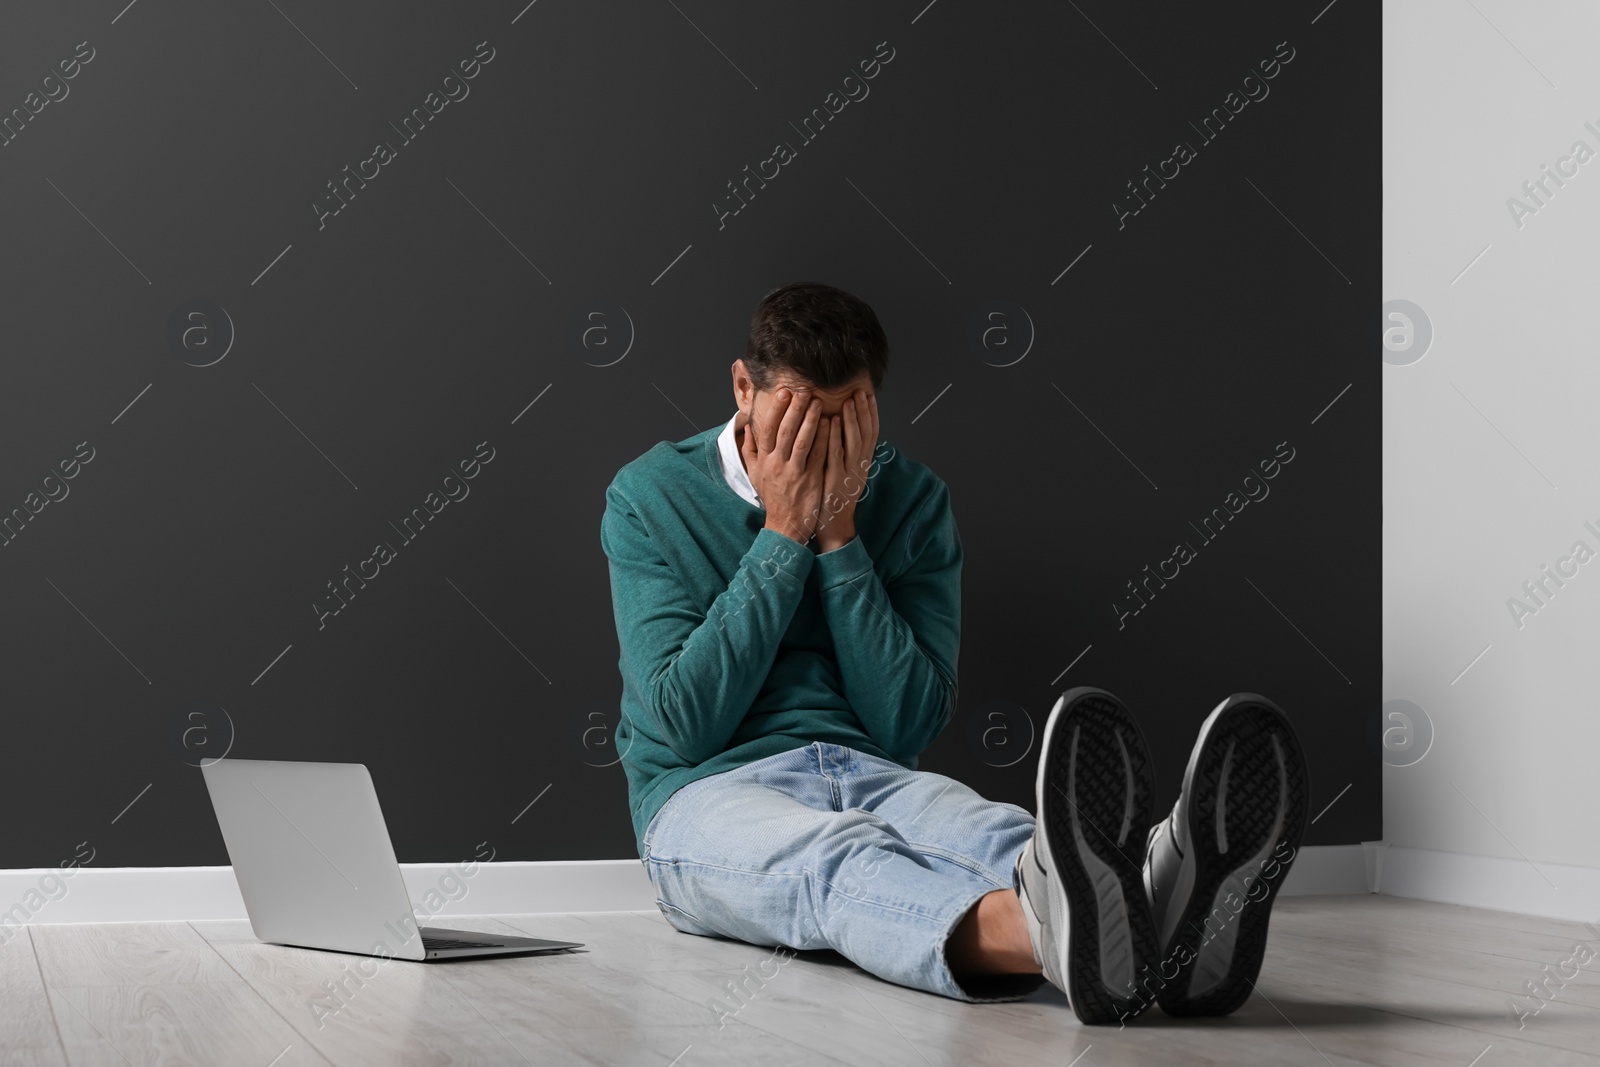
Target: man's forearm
x=902, y=697
x=701, y=693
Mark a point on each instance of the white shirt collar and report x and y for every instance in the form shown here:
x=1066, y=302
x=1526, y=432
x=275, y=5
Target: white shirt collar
x=733, y=466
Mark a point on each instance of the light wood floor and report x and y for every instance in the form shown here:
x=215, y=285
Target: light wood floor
x=1347, y=980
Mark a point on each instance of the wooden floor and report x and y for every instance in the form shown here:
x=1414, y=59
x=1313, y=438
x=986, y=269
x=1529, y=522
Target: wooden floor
x=1347, y=980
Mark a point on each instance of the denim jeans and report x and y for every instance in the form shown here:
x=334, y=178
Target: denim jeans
x=825, y=847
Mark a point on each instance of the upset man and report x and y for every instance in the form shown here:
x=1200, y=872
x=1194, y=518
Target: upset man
x=787, y=592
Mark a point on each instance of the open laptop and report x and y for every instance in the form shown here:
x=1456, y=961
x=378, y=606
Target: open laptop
x=316, y=867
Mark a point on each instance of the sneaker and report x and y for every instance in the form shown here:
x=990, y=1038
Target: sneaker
x=1080, y=877
x=1215, y=865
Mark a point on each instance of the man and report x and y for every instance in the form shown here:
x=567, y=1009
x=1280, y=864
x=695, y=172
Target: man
x=787, y=598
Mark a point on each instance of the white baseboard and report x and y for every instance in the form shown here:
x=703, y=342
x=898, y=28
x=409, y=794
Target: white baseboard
x=177, y=894
x=1326, y=869
x=1553, y=890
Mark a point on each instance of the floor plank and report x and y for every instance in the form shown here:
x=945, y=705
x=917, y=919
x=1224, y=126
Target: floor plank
x=28, y=1035
x=149, y=993
x=126, y=954
x=181, y=1022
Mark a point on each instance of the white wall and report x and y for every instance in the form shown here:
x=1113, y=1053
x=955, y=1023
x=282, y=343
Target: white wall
x=1476, y=501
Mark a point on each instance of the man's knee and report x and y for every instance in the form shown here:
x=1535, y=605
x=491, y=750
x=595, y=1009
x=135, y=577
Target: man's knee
x=856, y=830
x=855, y=849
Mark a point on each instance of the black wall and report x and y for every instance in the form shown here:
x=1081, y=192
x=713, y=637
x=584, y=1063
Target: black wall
x=580, y=176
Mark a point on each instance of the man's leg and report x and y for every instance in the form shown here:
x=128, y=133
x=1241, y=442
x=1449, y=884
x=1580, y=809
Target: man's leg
x=769, y=854
x=956, y=830
x=991, y=939
x=1079, y=885
x=951, y=824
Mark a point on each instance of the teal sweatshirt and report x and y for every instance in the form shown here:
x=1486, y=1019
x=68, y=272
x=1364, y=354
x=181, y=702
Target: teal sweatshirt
x=738, y=643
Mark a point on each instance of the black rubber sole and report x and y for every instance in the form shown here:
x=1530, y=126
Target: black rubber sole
x=1095, y=772
x=1245, y=807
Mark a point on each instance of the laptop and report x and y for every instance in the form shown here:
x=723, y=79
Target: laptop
x=316, y=868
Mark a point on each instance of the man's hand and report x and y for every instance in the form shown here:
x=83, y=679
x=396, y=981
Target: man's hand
x=784, y=467
x=852, y=439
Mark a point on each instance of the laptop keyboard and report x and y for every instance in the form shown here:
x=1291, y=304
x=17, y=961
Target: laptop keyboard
x=450, y=942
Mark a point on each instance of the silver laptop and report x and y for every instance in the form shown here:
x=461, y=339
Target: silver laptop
x=316, y=867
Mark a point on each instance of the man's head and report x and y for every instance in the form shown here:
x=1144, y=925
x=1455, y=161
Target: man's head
x=810, y=336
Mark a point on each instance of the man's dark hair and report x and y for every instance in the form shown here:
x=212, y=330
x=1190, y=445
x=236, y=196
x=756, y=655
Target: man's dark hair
x=816, y=333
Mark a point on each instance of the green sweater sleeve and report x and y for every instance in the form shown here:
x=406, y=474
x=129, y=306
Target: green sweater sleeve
x=896, y=645
x=698, y=673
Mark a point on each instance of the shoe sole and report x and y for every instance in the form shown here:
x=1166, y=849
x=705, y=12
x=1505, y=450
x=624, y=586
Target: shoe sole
x=1096, y=792
x=1245, y=794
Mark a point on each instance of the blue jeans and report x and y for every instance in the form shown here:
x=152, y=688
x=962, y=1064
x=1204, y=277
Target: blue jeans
x=825, y=847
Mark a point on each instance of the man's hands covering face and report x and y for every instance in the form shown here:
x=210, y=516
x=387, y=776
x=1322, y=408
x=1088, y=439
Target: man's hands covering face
x=810, y=471
x=852, y=438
